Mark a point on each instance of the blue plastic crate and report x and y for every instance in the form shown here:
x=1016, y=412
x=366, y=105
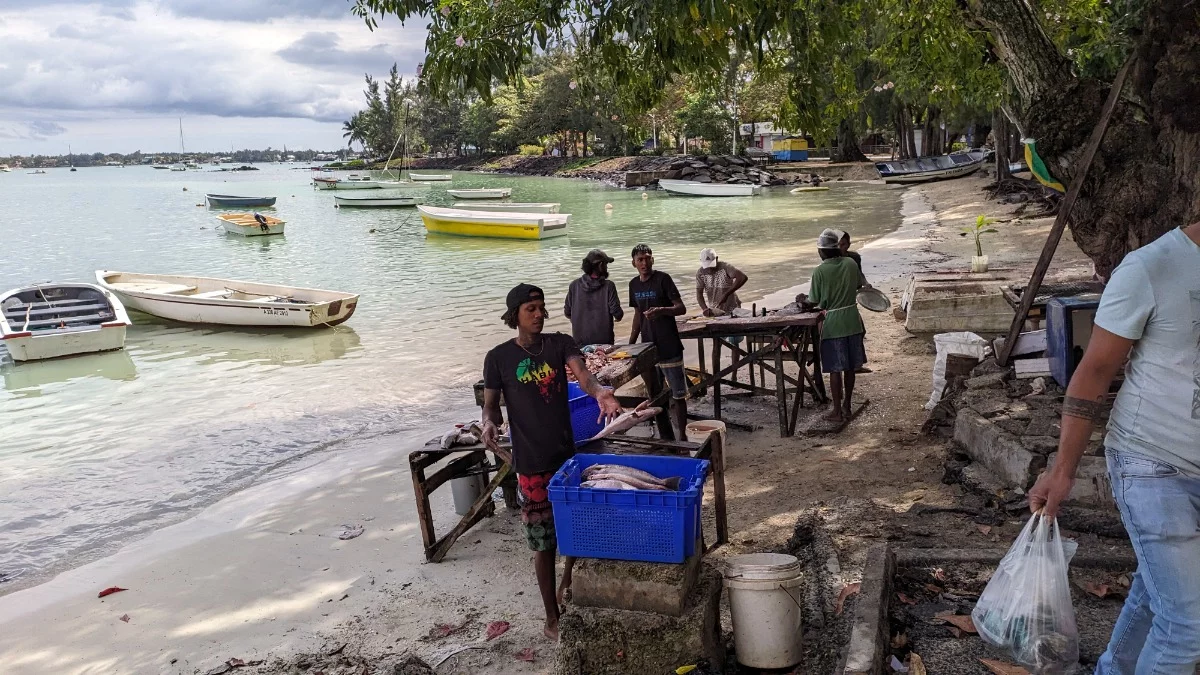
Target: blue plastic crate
x=584, y=413
x=640, y=525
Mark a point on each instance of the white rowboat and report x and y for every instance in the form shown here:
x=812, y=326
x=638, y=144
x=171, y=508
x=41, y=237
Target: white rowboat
x=351, y=182
x=683, y=187
x=227, y=301
x=511, y=207
x=53, y=320
x=481, y=193
x=465, y=223
x=374, y=202
x=430, y=176
x=250, y=224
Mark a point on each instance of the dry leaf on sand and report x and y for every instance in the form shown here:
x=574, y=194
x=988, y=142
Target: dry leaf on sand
x=961, y=621
x=847, y=591
x=915, y=665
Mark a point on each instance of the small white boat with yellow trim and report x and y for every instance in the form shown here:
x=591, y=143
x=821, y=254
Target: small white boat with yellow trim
x=430, y=176
x=227, y=301
x=511, y=207
x=250, y=224
x=466, y=223
x=46, y=321
x=481, y=193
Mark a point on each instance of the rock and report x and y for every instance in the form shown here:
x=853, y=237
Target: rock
x=677, y=164
x=412, y=665
x=686, y=171
x=1043, y=445
x=739, y=161
x=703, y=178
x=673, y=174
x=989, y=381
x=1043, y=425
x=698, y=165
x=1001, y=452
x=987, y=367
x=718, y=160
x=778, y=181
x=635, y=586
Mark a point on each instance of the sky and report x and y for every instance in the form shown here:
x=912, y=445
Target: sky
x=117, y=75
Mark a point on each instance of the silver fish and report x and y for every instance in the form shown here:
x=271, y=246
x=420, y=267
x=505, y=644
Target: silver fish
x=629, y=480
x=608, y=484
x=627, y=420
x=622, y=471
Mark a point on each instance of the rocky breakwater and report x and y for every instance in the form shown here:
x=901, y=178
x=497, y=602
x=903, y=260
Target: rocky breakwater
x=720, y=169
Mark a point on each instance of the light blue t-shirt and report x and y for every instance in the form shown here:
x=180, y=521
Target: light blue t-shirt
x=1154, y=299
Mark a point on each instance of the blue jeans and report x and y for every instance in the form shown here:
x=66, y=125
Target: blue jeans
x=1158, y=632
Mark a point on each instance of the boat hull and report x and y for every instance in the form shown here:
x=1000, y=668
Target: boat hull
x=148, y=294
x=709, y=189
x=244, y=225
x=374, y=203
x=430, y=176
x=528, y=226
x=225, y=201
x=104, y=329
x=498, y=193
x=52, y=346
x=511, y=207
x=926, y=169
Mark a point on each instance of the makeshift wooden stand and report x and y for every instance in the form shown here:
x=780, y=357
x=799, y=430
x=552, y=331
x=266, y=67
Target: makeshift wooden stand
x=796, y=337
x=467, y=461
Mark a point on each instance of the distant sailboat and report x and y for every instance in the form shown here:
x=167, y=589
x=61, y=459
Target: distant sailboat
x=180, y=166
x=71, y=158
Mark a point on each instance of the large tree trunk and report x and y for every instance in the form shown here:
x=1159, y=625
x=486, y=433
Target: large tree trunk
x=847, y=149
x=1145, y=179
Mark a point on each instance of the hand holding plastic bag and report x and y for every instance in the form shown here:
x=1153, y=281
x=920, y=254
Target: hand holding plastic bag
x=1026, y=606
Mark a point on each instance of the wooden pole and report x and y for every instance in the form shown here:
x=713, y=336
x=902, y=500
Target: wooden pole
x=1060, y=222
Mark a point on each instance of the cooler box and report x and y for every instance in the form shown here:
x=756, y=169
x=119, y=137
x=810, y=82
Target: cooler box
x=1068, y=331
x=639, y=525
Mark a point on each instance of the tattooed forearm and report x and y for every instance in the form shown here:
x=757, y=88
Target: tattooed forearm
x=1082, y=408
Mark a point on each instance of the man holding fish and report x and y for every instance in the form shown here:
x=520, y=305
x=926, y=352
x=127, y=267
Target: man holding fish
x=531, y=373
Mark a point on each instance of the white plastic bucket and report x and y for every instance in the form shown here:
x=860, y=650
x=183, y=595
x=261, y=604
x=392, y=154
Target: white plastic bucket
x=699, y=431
x=765, y=604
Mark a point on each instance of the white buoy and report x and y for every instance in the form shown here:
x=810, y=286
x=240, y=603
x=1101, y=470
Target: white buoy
x=645, y=195
x=608, y=207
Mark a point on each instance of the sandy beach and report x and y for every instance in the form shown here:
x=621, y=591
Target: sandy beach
x=264, y=577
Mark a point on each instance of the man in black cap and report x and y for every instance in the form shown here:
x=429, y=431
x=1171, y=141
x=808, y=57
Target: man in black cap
x=531, y=372
x=657, y=302
x=592, y=302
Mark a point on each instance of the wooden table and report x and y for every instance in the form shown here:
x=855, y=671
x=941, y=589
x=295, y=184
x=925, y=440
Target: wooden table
x=641, y=362
x=769, y=340
x=469, y=460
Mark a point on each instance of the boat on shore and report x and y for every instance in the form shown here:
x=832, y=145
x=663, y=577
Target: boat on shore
x=228, y=302
x=232, y=201
x=430, y=176
x=373, y=202
x=490, y=224
x=692, y=188
x=46, y=321
x=250, y=224
x=511, y=207
x=924, y=169
x=481, y=193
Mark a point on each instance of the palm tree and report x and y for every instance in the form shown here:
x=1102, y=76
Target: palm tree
x=355, y=131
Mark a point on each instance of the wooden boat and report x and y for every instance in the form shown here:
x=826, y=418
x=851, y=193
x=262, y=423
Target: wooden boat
x=226, y=201
x=684, y=187
x=52, y=320
x=228, y=302
x=467, y=223
x=373, y=202
x=507, y=207
x=250, y=224
x=924, y=169
x=481, y=193
x=430, y=176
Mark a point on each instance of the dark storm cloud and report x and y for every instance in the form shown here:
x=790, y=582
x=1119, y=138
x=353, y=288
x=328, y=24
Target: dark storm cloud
x=37, y=130
x=323, y=50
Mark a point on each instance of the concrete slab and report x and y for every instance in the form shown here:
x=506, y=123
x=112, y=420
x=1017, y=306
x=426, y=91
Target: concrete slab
x=635, y=586
x=998, y=450
x=869, y=633
x=1092, y=485
x=596, y=641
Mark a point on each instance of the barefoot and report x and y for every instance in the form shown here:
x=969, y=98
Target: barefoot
x=847, y=411
x=834, y=416
x=551, y=629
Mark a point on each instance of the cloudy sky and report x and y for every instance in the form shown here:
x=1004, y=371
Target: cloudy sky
x=116, y=75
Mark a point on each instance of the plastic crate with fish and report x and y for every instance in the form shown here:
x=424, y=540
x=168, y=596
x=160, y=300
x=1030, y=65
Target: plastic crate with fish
x=629, y=524
x=585, y=412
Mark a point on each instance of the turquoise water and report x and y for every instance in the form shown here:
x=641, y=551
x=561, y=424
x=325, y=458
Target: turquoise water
x=100, y=448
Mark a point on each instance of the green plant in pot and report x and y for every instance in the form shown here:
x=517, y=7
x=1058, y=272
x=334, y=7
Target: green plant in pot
x=983, y=225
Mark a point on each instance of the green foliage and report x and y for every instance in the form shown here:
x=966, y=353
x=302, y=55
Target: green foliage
x=530, y=150
x=981, y=226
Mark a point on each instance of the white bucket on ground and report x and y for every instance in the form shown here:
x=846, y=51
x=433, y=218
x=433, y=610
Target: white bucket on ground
x=699, y=431
x=465, y=491
x=764, y=602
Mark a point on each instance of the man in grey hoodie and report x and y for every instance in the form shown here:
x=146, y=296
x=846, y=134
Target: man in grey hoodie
x=592, y=303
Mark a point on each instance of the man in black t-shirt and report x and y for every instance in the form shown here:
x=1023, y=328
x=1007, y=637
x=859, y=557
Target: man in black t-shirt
x=531, y=372
x=657, y=302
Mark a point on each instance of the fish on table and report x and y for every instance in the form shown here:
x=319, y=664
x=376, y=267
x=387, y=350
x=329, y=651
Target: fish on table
x=628, y=420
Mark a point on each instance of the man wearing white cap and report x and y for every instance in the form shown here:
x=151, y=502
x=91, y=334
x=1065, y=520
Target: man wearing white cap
x=717, y=284
x=835, y=289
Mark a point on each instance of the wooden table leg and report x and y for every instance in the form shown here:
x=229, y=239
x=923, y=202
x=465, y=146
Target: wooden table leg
x=814, y=333
x=654, y=387
x=473, y=516
x=718, y=468
x=750, y=342
x=703, y=366
x=780, y=389
x=716, y=362
x=424, y=512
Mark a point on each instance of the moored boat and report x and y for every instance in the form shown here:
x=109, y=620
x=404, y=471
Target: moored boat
x=511, y=207
x=481, y=193
x=373, y=202
x=924, y=169
x=224, y=201
x=250, y=224
x=466, y=223
x=47, y=321
x=227, y=301
x=351, y=182
x=684, y=187
x=430, y=176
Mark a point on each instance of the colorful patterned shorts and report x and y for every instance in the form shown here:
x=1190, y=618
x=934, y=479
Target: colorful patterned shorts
x=536, y=514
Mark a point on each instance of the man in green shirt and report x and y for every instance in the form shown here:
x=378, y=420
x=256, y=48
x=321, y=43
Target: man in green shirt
x=834, y=289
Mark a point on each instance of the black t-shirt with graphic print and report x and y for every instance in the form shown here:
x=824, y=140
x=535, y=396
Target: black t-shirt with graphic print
x=534, y=384
x=658, y=291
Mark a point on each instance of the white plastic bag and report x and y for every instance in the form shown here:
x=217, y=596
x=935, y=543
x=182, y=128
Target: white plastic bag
x=966, y=344
x=1026, y=607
